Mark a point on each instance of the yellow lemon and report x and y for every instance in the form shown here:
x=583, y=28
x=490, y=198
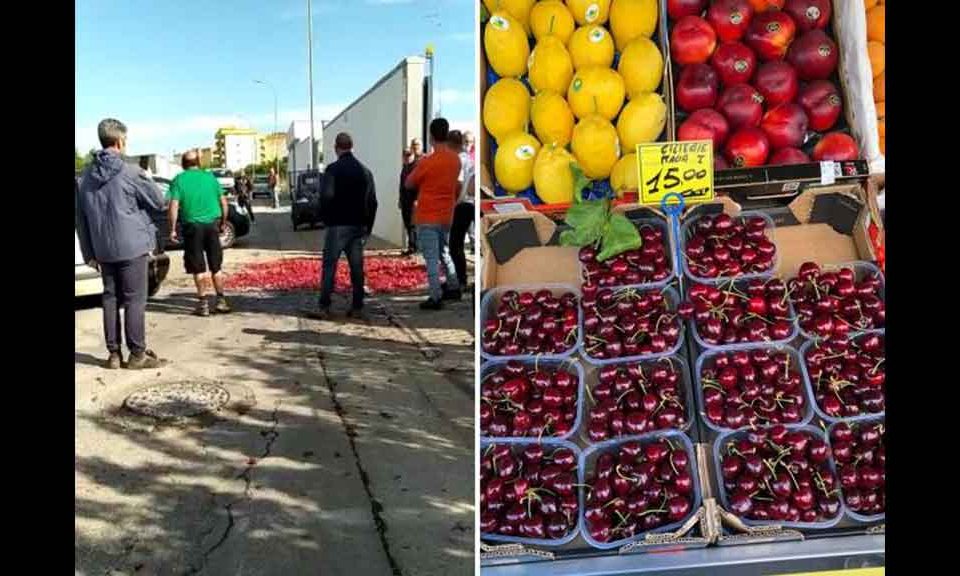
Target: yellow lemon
x=589, y=11
x=641, y=66
x=550, y=66
x=596, y=91
x=596, y=146
x=506, y=45
x=519, y=9
x=551, y=18
x=624, y=175
x=506, y=108
x=552, y=176
x=591, y=46
x=551, y=118
x=642, y=120
x=631, y=19
x=513, y=164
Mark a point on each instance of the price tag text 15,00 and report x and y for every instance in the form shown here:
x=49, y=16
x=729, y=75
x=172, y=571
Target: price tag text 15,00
x=684, y=168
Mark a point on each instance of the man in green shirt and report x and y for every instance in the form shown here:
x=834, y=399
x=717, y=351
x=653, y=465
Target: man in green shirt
x=197, y=200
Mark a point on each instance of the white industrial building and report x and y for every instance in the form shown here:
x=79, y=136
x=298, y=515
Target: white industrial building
x=240, y=148
x=382, y=121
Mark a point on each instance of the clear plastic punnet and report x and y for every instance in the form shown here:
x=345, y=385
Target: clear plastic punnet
x=686, y=394
x=686, y=233
x=663, y=226
x=808, y=382
x=672, y=298
x=724, y=498
x=704, y=345
x=861, y=269
x=796, y=360
x=518, y=445
x=570, y=364
x=856, y=516
x=491, y=300
x=588, y=461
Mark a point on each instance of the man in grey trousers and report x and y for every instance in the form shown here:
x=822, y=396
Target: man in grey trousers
x=118, y=206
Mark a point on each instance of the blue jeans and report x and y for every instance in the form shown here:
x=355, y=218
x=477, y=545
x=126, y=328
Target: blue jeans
x=432, y=241
x=340, y=239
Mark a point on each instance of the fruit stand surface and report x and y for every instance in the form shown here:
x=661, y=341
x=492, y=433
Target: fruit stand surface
x=775, y=558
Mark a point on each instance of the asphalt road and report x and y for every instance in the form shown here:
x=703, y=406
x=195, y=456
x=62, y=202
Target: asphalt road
x=343, y=449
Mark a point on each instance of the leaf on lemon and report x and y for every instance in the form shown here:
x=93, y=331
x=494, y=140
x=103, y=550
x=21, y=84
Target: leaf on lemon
x=580, y=181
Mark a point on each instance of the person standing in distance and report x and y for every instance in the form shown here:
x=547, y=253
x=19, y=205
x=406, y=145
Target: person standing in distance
x=406, y=202
x=348, y=202
x=416, y=147
x=272, y=184
x=435, y=178
x=197, y=199
x=118, y=207
x=463, y=211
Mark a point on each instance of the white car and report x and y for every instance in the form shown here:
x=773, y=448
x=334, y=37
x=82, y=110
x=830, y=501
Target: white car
x=224, y=178
x=86, y=280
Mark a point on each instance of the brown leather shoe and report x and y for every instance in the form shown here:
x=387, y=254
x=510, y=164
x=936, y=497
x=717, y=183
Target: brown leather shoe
x=114, y=361
x=143, y=361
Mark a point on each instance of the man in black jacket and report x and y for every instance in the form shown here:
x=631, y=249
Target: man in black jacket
x=348, y=202
x=118, y=207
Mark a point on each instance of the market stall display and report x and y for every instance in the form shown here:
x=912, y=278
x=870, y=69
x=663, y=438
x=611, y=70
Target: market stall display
x=713, y=340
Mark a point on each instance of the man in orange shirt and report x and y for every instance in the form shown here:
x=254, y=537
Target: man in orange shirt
x=435, y=177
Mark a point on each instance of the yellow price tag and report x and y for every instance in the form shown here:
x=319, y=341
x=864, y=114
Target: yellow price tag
x=849, y=572
x=684, y=168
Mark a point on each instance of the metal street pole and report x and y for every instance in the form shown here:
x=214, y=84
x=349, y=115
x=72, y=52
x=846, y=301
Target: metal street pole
x=313, y=143
x=276, y=128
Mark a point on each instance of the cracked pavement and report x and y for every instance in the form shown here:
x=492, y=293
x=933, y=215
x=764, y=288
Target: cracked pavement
x=345, y=449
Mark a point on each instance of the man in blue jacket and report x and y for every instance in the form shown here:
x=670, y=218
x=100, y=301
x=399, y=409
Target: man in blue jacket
x=118, y=207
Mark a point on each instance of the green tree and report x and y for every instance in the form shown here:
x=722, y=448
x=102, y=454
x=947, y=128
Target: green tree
x=80, y=162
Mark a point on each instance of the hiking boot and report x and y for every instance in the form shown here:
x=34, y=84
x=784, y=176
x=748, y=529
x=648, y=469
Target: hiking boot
x=222, y=307
x=143, y=360
x=203, y=308
x=452, y=294
x=114, y=361
x=431, y=304
x=358, y=314
x=321, y=313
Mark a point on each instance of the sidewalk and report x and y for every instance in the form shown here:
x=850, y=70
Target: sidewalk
x=343, y=449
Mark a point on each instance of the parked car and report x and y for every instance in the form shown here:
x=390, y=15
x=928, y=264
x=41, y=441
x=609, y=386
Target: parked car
x=261, y=186
x=87, y=281
x=238, y=221
x=306, y=199
x=225, y=178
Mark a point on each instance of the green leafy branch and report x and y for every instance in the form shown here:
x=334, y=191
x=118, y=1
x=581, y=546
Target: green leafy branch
x=592, y=223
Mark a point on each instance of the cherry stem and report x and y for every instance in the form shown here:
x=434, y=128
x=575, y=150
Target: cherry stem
x=612, y=502
x=623, y=520
x=753, y=315
x=632, y=479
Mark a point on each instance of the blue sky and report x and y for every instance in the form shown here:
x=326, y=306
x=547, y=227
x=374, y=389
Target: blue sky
x=175, y=70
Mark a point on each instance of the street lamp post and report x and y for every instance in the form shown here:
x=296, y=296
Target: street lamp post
x=313, y=144
x=276, y=128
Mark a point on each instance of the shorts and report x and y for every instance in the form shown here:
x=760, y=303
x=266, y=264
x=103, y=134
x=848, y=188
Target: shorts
x=200, y=240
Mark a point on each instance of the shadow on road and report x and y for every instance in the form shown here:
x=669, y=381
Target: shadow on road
x=274, y=490
x=88, y=359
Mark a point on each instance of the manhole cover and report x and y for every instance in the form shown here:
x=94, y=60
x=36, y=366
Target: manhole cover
x=179, y=400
